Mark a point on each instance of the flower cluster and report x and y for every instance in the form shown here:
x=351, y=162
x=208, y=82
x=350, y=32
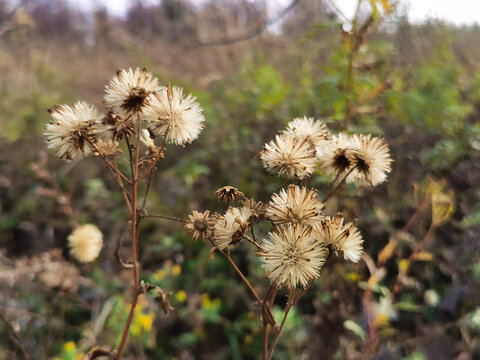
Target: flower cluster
x=135, y=103
x=302, y=235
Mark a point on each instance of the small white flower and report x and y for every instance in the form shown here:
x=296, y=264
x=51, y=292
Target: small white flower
x=85, y=243
x=289, y=155
x=170, y=112
x=291, y=256
x=72, y=129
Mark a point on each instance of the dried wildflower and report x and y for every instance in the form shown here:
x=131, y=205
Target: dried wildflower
x=230, y=228
x=341, y=237
x=199, y=225
x=316, y=132
x=296, y=205
x=171, y=113
x=229, y=193
x=72, y=129
x=127, y=93
x=291, y=256
x=116, y=127
x=372, y=160
x=336, y=156
x=257, y=209
x=289, y=155
x=85, y=242
x=106, y=148
x=384, y=312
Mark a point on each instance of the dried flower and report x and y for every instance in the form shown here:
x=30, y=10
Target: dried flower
x=372, y=160
x=171, y=113
x=199, y=225
x=296, y=205
x=291, y=256
x=127, y=93
x=72, y=129
x=85, y=242
x=316, y=132
x=341, y=237
x=106, y=148
x=336, y=156
x=257, y=209
x=230, y=228
x=289, y=155
x=229, y=193
x=116, y=127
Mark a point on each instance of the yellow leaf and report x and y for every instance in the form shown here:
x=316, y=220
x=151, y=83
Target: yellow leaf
x=423, y=256
x=387, y=252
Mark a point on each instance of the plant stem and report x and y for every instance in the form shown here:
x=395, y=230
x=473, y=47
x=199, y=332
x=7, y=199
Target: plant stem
x=164, y=217
x=134, y=237
x=287, y=310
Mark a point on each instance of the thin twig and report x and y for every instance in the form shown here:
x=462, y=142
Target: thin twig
x=15, y=339
x=287, y=310
x=331, y=192
x=163, y=217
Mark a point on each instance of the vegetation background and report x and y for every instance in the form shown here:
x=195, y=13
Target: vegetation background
x=418, y=85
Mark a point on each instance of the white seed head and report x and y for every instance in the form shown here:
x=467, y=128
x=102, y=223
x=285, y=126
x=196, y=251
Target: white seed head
x=126, y=94
x=171, y=113
x=336, y=155
x=372, y=160
x=85, y=243
x=345, y=238
x=71, y=129
x=230, y=227
x=291, y=256
x=316, y=132
x=289, y=155
x=295, y=205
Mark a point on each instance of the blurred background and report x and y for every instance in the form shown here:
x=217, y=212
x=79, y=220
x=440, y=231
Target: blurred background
x=406, y=71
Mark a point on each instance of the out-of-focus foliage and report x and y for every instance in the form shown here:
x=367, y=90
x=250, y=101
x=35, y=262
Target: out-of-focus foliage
x=418, y=85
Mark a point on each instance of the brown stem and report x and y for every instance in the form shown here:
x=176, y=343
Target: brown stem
x=134, y=236
x=154, y=162
x=164, y=217
x=287, y=310
x=332, y=191
x=259, y=248
x=127, y=325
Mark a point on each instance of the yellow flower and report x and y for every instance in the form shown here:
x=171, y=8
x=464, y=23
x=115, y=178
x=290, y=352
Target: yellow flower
x=176, y=270
x=160, y=274
x=181, y=296
x=69, y=346
x=353, y=276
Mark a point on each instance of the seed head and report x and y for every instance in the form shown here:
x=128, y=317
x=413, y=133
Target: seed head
x=85, y=243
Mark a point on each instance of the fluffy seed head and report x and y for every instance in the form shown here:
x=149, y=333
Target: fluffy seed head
x=336, y=156
x=171, y=113
x=291, y=256
x=71, y=129
x=127, y=93
x=345, y=238
x=199, y=225
x=289, y=155
x=296, y=205
x=316, y=132
x=85, y=243
x=229, y=228
x=372, y=160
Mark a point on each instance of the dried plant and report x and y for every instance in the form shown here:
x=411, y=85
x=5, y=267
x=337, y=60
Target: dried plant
x=302, y=238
